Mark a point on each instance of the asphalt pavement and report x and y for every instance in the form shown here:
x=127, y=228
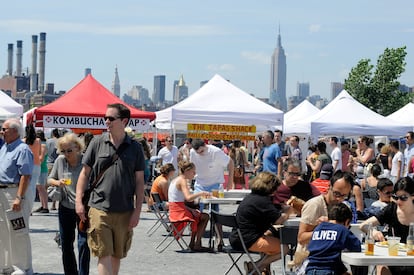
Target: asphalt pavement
x=141, y=259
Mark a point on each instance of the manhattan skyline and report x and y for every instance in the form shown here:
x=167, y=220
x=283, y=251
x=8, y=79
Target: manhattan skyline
x=323, y=40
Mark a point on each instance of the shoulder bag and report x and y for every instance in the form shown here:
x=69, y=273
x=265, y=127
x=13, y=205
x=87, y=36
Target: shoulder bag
x=83, y=225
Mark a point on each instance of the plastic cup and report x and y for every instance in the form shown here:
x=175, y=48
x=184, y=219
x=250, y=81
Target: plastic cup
x=67, y=177
x=215, y=193
x=393, y=243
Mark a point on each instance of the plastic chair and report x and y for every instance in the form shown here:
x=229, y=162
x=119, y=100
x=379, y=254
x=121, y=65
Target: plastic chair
x=230, y=221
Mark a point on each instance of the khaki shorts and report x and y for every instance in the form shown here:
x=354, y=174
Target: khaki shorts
x=108, y=233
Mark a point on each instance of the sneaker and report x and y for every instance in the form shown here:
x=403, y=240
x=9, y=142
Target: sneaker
x=44, y=210
x=38, y=210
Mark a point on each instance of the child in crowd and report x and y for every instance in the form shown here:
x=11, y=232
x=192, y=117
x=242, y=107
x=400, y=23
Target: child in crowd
x=328, y=241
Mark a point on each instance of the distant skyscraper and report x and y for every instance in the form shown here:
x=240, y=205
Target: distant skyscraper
x=302, y=89
x=158, y=96
x=181, y=90
x=278, y=76
x=88, y=71
x=116, y=86
x=336, y=88
x=174, y=85
x=202, y=83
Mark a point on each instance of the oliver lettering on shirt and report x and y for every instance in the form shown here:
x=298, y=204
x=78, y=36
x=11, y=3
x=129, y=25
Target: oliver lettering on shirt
x=329, y=235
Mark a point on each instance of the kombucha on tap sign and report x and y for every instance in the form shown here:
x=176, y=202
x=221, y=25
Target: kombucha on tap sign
x=139, y=124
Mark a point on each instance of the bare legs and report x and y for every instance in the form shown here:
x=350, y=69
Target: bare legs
x=42, y=196
x=108, y=265
x=195, y=243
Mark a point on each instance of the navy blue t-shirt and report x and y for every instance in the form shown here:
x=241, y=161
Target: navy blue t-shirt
x=328, y=241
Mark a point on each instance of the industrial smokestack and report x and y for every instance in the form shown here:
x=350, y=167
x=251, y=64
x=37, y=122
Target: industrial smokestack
x=33, y=73
x=10, y=59
x=88, y=71
x=19, y=55
x=42, y=57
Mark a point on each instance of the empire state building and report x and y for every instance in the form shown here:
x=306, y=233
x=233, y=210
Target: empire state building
x=278, y=76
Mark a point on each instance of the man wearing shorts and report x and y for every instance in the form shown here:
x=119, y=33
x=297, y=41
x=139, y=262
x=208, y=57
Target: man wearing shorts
x=115, y=202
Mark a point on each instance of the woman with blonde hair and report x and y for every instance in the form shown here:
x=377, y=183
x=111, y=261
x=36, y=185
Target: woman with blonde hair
x=178, y=193
x=70, y=148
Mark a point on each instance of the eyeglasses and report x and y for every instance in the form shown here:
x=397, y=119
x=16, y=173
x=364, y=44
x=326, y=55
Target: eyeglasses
x=402, y=197
x=294, y=174
x=110, y=118
x=66, y=151
x=340, y=195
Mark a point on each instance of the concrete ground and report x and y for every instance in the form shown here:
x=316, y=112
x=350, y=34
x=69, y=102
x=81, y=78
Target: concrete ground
x=142, y=258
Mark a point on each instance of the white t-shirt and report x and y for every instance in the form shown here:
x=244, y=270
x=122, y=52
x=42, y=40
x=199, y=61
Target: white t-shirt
x=168, y=156
x=398, y=157
x=336, y=155
x=210, y=165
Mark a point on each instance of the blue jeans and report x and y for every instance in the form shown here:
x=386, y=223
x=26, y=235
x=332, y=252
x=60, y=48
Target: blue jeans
x=68, y=221
x=320, y=272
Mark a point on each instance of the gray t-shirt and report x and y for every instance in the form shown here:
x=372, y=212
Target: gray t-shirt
x=69, y=191
x=116, y=188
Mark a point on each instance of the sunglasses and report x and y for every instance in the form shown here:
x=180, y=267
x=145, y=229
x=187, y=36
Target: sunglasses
x=340, y=195
x=110, y=118
x=402, y=197
x=294, y=174
x=66, y=151
x=4, y=129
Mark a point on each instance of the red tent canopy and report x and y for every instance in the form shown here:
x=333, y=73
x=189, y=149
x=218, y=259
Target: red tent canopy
x=84, y=106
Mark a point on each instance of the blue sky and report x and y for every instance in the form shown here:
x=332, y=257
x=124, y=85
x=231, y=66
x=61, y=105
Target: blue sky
x=323, y=40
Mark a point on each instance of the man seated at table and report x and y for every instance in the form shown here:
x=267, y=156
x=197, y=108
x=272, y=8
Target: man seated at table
x=292, y=185
x=315, y=211
x=329, y=239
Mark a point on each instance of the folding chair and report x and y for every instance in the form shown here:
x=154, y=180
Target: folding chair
x=160, y=213
x=288, y=236
x=175, y=229
x=230, y=221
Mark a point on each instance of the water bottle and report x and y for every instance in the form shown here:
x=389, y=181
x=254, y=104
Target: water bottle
x=410, y=240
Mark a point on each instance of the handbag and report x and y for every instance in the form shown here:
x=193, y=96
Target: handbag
x=54, y=193
x=83, y=225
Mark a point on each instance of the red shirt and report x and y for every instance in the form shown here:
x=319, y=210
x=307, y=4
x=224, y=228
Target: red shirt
x=321, y=185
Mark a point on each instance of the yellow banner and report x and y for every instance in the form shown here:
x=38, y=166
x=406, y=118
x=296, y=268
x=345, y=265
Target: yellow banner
x=221, y=128
x=219, y=136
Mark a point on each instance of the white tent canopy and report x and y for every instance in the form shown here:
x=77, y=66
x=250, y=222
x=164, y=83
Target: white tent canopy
x=405, y=115
x=8, y=103
x=294, y=118
x=345, y=116
x=219, y=102
x=4, y=114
